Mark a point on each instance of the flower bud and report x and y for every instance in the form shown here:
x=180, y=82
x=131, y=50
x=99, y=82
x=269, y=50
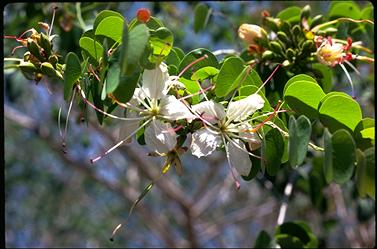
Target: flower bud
x=249, y=32
x=305, y=12
x=268, y=55
x=276, y=47
x=27, y=67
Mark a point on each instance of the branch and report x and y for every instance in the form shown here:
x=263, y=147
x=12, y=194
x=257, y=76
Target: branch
x=157, y=225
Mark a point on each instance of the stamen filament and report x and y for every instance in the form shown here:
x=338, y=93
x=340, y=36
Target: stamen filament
x=103, y=112
x=349, y=79
x=121, y=142
x=269, y=77
x=267, y=119
x=239, y=147
x=191, y=64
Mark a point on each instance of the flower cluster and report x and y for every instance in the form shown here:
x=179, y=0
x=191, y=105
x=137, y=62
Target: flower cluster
x=161, y=114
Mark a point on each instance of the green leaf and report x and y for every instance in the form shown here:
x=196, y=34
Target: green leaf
x=339, y=111
x=104, y=14
x=304, y=97
x=299, y=136
x=126, y=87
x=290, y=14
x=191, y=87
x=295, y=235
x=263, y=240
x=72, y=73
x=179, y=52
x=342, y=156
x=368, y=133
x=202, y=14
x=344, y=9
x=325, y=78
x=133, y=48
x=196, y=54
x=93, y=48
x=229, y=72
x=328, y=158
x=153, y=23
x=365, y=173
x=364, y=142
x=173, y=59
x=161, y=41
x=112, y=78
x=272, y=151
x=112, y=27
x=299, y=77
x=205, y=73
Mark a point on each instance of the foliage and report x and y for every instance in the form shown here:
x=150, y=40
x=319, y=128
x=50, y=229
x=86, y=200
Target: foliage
x=223, y=104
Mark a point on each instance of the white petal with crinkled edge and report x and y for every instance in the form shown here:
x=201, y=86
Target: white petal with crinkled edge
x=239, y=158
x=129, y=126
x=241, y=109
x=155, y=82
x=210, y=111
x=160, y=137
x=204, y=143
x=173, y=109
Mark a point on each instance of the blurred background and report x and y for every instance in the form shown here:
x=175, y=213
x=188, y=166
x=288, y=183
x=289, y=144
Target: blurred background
x=57, y=199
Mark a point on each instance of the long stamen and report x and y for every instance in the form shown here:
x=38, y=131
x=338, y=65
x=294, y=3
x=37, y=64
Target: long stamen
x=269, y=77
x=262, y=115
x=197, y=93
x=234, y=93
x=349, y=79
x=52, y=21
x=191, y=64
x=103, y=112
x=121, y=142
x=141, y=196
x=231, y=167
x=353, y=67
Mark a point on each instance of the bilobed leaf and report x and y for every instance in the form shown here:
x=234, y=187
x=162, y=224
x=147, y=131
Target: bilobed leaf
x=299, y=136
x=196, y=54
x=343, y=155
x=229, y=72
x=344, y=9
x=365, y=173
x=290, y=14
x=299, y=77
x=111, y=26
x=340, y=111
x=304, y=97
x=205, y=73
x=93, y=48
x=104, y=14
x=161, y=41
x=202, y=13
x=272, y=151
x=72, y=73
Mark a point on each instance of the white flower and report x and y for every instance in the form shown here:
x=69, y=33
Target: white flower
x=229, y=127
x=152, y=102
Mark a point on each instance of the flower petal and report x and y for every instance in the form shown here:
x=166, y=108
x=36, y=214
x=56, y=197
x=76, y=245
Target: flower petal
x=241, y=109
x=160, y=137
x=239, y=158
x=155, y=82
x=204, y=143
x=128, y=126
x=210, y=111
x=173, y=109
